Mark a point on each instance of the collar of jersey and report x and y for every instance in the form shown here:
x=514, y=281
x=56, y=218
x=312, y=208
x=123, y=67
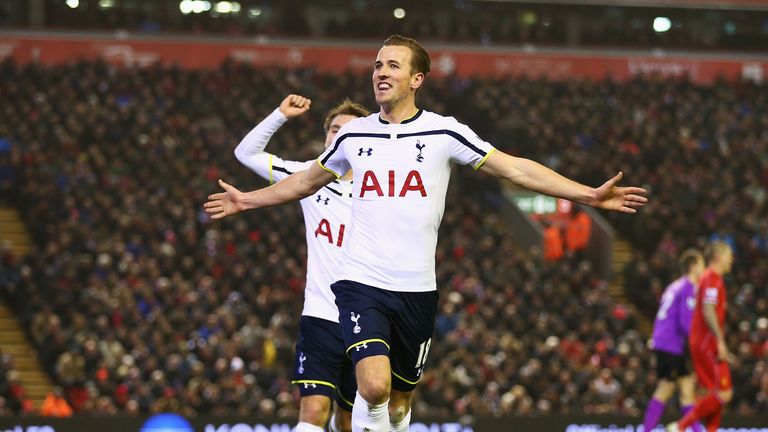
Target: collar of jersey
x=408, y=120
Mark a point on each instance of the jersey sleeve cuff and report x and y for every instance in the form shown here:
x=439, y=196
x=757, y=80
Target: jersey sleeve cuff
x=271, y=177
x=338, y=176
x=277, y=117
x=482, y=161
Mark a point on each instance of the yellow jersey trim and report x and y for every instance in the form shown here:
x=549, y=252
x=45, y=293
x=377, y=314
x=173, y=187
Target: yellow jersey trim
x=482, y=161
x=271, y=178
x=325, y=383
x=328, y=169
x=343, y=399
x=405, y=380
x=366, y=341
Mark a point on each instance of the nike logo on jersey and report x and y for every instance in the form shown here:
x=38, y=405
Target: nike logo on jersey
x=412, y=183
x=368, y=152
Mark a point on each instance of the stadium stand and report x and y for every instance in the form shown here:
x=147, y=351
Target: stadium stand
x=137, y=303
x=13, y=400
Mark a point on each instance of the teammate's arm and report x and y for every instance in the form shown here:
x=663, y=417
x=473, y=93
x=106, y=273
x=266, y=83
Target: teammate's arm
x=710, y=317
x=536, y=177
x=295, y=187
x=250, y=152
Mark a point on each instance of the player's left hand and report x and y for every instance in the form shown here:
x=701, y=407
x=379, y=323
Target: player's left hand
x=621, y=199
x=225, y=203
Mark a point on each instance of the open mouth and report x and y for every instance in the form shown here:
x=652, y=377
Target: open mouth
x=383, y=86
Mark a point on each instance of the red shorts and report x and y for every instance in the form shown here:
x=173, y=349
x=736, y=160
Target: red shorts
x=713, y=374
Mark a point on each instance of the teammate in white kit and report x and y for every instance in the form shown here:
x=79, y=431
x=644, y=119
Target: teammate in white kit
x=401, y=160
x=322, y=370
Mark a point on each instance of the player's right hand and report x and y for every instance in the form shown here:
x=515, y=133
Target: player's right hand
x=722, y=352
x=621, y=199
x=225, y=203
x=294, y=105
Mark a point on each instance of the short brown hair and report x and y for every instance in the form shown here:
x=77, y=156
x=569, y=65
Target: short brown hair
x=688, y=259
x=346, y=107
x=420, y=61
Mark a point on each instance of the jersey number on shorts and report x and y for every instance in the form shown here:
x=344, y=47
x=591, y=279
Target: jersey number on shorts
x=324, y=229
x=423, y=353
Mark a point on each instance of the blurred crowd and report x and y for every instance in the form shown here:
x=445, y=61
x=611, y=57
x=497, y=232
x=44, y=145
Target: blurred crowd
x=138, y=303
x=459, y=21
x=13, y=400
x=702, y=151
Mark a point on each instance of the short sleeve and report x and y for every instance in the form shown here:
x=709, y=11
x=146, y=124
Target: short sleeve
x=711, y=295
x=466, y=147
x=279, y=168
x=333, y=159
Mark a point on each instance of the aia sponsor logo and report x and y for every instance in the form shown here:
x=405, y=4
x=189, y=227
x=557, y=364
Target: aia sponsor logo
x=412, y=184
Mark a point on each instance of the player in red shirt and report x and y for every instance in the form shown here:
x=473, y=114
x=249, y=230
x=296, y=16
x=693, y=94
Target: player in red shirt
x=707, y=343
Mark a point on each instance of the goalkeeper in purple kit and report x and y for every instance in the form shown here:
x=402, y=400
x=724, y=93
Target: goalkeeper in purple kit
x=670, y=339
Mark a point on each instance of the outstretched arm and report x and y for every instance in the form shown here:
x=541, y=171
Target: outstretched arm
x=536, y=177
x=295, y=187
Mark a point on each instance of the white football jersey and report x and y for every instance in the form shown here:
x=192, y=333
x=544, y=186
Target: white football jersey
x=401, y=174
x=326, y=217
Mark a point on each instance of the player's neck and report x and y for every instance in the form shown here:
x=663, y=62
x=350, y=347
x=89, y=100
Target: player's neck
x=693, y=278
x=347, y=176
x=396, y=113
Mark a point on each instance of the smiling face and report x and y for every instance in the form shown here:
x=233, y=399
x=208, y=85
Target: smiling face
x=392, y=79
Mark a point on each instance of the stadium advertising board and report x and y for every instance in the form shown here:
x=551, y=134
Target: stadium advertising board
x=203, y=53
x=174, y=423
